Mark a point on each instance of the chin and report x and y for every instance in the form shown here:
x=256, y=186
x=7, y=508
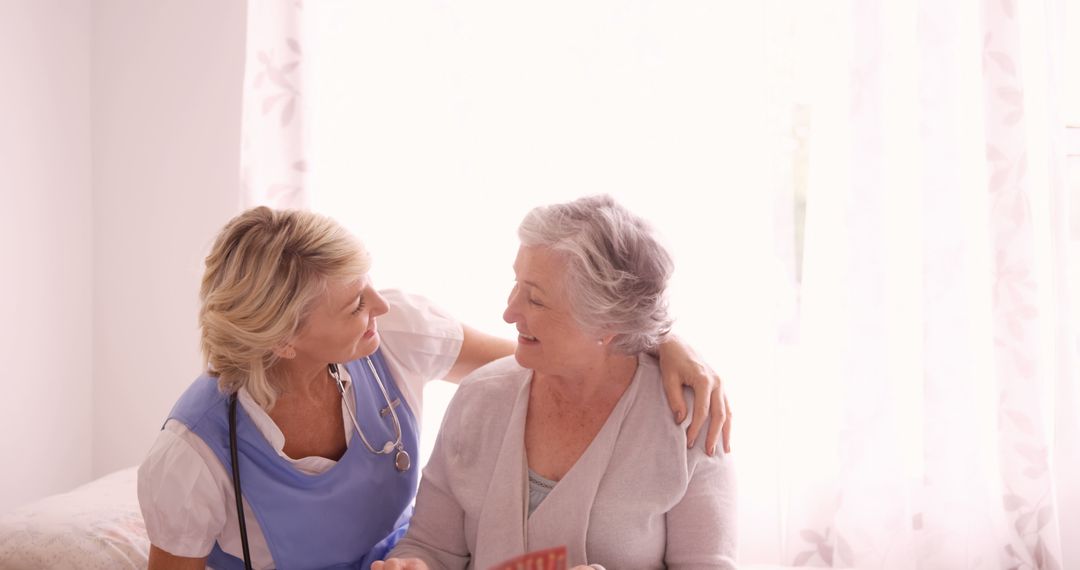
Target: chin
x=366, y=347
x=524, y=360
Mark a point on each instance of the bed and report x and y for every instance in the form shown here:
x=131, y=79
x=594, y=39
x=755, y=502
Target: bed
x=97, y=525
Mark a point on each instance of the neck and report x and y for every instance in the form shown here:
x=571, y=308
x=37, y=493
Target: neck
x=600, y=379
x=301, y=379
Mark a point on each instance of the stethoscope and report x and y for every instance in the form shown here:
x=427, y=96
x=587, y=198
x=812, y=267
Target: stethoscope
x=402, y=461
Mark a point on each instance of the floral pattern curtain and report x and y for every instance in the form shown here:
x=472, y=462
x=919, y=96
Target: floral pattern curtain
x=930, y=397
x=272, y=157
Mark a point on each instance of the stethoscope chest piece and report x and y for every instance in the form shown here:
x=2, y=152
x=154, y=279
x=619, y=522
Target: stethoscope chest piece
x=402, y=462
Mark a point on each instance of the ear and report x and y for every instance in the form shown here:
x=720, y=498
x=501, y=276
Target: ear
x=606, y=339
x=285, y=350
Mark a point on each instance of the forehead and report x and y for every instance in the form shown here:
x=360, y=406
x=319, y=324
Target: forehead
x=343, y=290
x=539, y=259
x=541, y=266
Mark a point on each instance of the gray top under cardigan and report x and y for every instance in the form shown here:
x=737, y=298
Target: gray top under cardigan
x=636, y=498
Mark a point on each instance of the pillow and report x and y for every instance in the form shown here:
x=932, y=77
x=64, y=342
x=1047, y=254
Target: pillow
x=98, y=525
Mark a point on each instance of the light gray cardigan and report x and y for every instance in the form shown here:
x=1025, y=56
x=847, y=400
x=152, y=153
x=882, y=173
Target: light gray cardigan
x=637, y=498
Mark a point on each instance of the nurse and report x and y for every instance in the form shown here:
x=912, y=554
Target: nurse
x=314, y=385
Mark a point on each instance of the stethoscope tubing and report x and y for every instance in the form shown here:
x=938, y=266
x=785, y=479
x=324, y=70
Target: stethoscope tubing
x=336, y=374
x=234, y=456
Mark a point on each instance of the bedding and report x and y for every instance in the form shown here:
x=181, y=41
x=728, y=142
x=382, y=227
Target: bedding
x=97, y=525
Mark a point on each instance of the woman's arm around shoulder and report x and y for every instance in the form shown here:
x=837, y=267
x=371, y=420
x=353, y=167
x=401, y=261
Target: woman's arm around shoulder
x=681, y=366
x=431, y=342
x=477, y=349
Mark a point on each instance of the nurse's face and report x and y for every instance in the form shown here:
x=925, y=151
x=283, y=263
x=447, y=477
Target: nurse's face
x=341, y=326
x=550, y=340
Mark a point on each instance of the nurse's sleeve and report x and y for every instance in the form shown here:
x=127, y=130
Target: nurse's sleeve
x=181, y=503
x=437, y=530
x=420, y=336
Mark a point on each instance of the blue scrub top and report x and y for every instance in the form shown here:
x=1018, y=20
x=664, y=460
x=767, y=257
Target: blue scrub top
x=346, y=517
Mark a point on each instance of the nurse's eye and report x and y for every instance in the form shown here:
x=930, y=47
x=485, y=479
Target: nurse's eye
x=359, y=306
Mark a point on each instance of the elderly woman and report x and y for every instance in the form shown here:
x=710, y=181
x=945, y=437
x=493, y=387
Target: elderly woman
x=309, y=411
x=570, y=442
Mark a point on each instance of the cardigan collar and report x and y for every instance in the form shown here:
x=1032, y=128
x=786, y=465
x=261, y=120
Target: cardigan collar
x=505, y=529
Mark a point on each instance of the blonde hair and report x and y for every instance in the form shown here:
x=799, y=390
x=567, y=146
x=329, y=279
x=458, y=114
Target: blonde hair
x=263, y=274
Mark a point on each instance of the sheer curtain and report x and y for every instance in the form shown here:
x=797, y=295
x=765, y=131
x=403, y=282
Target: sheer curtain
x=272, y=165
x=865, y=200
x=930, y=392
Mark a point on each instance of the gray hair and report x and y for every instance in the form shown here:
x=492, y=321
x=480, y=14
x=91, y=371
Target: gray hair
x=617, y=270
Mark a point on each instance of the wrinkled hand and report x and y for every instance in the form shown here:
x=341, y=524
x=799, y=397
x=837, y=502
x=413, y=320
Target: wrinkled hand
x=681, y=366
x=400, y=564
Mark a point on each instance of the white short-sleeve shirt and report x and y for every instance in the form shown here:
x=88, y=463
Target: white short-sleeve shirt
x=186, y=494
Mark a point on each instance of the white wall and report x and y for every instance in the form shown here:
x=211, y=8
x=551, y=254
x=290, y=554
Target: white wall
x=166, y=110
x=119, y=151
x=46, y=236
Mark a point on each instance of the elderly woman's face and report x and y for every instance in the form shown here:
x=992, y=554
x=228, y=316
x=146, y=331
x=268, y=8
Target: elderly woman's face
x=341, y=326
x=549, y=339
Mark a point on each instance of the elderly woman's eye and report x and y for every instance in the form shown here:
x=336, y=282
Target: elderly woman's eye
x=535, y=302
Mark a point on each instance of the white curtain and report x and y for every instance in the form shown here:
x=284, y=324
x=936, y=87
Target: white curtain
x=272, y=164
x=930, y=393
x=865, y=199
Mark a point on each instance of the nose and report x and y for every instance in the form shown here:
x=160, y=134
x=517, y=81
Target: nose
x=379, y=306
x=510, y=315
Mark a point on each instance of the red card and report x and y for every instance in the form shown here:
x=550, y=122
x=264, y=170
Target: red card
x=550, y=559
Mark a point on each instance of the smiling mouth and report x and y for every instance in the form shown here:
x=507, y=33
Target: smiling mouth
x=527, y=337
x=370, y=332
